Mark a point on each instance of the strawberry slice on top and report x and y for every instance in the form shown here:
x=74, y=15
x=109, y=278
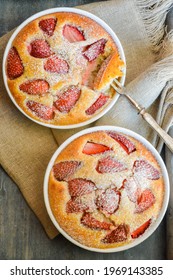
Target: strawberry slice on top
x=124, y=142
x=108, y=201
x=140, y=230
x=143, y=168
x=54, y=64
x=35, y=87
x=39, y=48
x=67, y=99
x=65, y=169
x=92, y=148
x=73, y=206
x=145, y=201
x=100, y=102
x=92, y=51
x=14, y=64
x=132, y=189
x=119, y=234
x=79, y=186
x=73, y=33
x=89, y=221
x=109, y=165
x=48, y=25
x=40, y=110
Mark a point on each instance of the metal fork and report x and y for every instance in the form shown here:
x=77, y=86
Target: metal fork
x=168, y=140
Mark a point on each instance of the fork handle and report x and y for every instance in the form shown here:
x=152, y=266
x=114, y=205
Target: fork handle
x=166, y=138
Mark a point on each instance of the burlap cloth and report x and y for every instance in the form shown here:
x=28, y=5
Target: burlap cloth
x=25, y=147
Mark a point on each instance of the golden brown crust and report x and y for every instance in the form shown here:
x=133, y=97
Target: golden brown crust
x=125, y=215
x=34, y=69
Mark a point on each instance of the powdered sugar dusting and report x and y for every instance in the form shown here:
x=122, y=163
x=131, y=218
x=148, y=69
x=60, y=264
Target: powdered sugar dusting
x=132, y=188
x=108, y=201
x=145, y=169
x=62, y=50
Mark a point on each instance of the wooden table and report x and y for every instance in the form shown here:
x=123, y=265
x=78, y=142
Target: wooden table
x=21, y=234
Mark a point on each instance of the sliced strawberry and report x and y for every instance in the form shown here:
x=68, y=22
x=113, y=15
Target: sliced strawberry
x=145, y=201
x=87, y=200
x=132, y=188
x=74, y=207
x=91, y=148
x=67, y=99
x=109, y=165
x=48, y=25
x=35, y=87
x=125, y=143
x=117, y=235
x=91, y=222
x=145, y=169
x=73, y=34
x=14, y=64
x=108, y=201
x=87, y=75
x=57, y=65
x=79, y=186
x=140, y=230
x=39, y=48
x=100, y=102
x=109, y=70
x=64, y=169
x=92, y=51
x=40, y=110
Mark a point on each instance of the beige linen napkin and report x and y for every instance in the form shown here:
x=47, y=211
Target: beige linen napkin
x=25, y=148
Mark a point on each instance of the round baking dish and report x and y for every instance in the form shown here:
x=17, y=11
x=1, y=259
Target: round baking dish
x=154, y=153
x=81, y=13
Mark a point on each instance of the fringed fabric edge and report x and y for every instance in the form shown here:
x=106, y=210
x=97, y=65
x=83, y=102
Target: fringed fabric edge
x=153, y=14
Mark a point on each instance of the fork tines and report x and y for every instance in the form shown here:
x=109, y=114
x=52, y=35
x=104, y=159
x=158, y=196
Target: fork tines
x=117, y=86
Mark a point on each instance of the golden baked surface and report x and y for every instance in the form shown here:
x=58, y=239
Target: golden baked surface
x=60, y=67
x=105, y=189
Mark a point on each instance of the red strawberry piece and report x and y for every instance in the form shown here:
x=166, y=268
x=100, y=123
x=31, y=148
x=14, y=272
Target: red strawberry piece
x=108, y=201
x=14, y=64
x=109, y=165
x=117, y=235
x=91, y=222
x=40, y=110
x=87, y=75
x=73, y=206
x=125, y=143
x=67, y=99
x=140, y=230
x=92, y=51
x=144, y=168
x=57, y=65
x=64, y=169
x=39, y=48
x=48, y=25
x=73, y=34
x=79, y=186
x=146, y=200
x=132, y=188
x=91, y=148
x=35, y=87
x=100, y=102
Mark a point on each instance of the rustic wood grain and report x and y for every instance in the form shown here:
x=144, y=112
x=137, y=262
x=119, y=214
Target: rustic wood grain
x=21, y=234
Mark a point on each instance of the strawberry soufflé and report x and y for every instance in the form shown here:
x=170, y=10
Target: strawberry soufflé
x=105, y=189
x=60, y=67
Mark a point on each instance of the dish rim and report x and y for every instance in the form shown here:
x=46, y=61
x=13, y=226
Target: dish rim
x=80, y=12
x=160, y=161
